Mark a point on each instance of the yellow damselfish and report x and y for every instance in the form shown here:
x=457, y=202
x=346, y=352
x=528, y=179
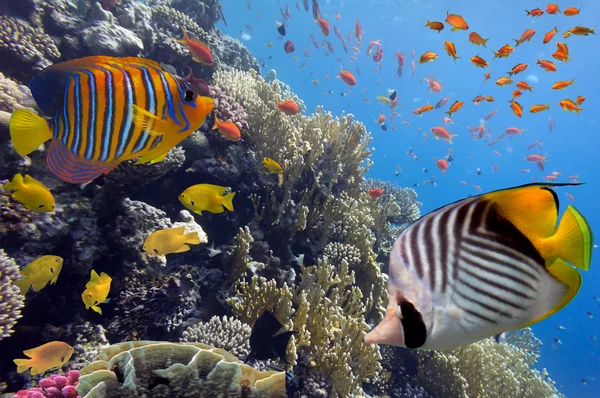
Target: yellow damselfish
x=96, y=291
x=168, y=241
x=45, y=357
x=207, y=197
x=39, y=272
x=274, y=168
x=31, y=193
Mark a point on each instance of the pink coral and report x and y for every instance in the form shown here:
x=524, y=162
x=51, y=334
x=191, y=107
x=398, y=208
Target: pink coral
x=55, y=386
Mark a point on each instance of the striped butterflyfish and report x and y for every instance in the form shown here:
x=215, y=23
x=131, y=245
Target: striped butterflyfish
x=483, y=266
x=101, y=111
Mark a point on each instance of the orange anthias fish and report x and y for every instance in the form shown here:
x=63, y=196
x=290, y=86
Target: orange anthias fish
x=478, y=99
x=503, y=52
x=288, y=107
x=571, y=11
x=536, y=12
x=375, y=193
x=423, y=109
x=443, y=133
x=516, y=94
x=451, y=49
x=550, y=35
x=427, y=57
x=526, y=36
x=455, y=108
x=487, y=77
x=480, y=62
x=228, y=130
x=580, y=99
x=548, y=65
x=380, y=119
x=561, y=56
x=517, y=69
x=443, y=165
x=324, y=26
x=562, y=84
x=347, y=77
x=563, y=48
x=503, y=81
x=489, y=98
x=516, y=107
x=539, y=108
x=552, y=8
x=435, y=25
x=199, y=50
x=476, y=39
x=457, y=22
x=580, y=31
x=570, y=106
x=523, y=85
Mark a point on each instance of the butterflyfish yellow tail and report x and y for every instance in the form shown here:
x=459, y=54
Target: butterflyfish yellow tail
x=22, y=364
x=192, y=238
x=573, y=240
x=28, y=131
x=228, y=201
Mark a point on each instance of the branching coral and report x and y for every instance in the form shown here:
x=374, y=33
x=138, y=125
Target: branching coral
x=29, y=44
x=229, y=334
x=204, y=12
x=11, y=300
x=486, y=369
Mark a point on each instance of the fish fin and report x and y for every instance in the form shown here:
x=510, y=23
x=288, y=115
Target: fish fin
x=484, y=41
x=182, y=249
x=15, y=184
x=71, y=168
x=106, y=301
x=28, y=131
x=186, y=38
x=29, y=180
x=573, y=240
x=192, y=238
x=228, y=201
x=22, y=364
x=427, y=23
x=215, y=209
x=178, y=231
x=96, y=309
x=37, y=286
x=216, y=125
x=23, y=285
x=454, y=29
x=159, y=158
x=568, y=276
x=280, y=342
x=94, y=280
x=150, y=123
x=266, y=324
x=219, y=190
x=105, y=278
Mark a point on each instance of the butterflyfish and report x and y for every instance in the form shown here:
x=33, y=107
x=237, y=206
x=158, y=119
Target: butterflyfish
x=96, y=291
x=266, y=340
x=482, y=266
x=45, y=357
x=207, y=197
x=104, y=110
x=38, y=273
x=31, y=193
x=169, y=241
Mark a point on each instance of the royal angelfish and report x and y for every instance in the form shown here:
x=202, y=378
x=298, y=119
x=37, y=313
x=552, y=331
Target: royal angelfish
x=482, y=266
x=104, y=110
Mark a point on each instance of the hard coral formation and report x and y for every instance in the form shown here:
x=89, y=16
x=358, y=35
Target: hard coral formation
x=14, y=96
x=11, y=299
x=225, y=332
x=175, y=370
x=27, y=43
x=204, y=12
x=228, y=109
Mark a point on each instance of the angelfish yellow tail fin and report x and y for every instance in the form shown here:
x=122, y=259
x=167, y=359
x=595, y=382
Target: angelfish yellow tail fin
x=28, y=131
x=573, y=240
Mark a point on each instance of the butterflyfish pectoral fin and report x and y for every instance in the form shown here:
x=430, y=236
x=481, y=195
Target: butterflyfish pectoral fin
x=568, y=276
x=28, y=131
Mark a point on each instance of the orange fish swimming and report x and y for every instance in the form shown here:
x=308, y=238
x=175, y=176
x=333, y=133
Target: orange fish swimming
x=571, y=11
x=517, y=69
x=568, y=105
x=423, y=109
x=427, y=57
x=580, y=99
x=516, y=107
x=443, y=165
x=45, y=357
x=563, y=48
x=579, y=31
x=516, y=94
x=324, y=26
x=536, y=12
x=375, y=193
x=199, y=50
x=547, y=65
x=550, y=35
x=504, y=51
x=228, y=130
x=480, y=62
x=478, y=99
x=489, y=98
x=457, y=22
x=288, y=107
x=476, y=39
x=451, y=49
x=526, y=36
x=552, y=8
x=503, y=81
x=434, y=25
x=455, y=108
x=380, y=119
x=560, y=56
x=562, y=84
x=443, y=133
x=347, y=77
x=487, y=77
x=523, y=85
x=539, y=108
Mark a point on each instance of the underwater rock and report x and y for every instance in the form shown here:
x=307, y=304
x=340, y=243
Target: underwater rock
x=11, y=299
x=271, y=76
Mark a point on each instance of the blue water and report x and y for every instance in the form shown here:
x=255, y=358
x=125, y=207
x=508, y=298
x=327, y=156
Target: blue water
x=572, y=146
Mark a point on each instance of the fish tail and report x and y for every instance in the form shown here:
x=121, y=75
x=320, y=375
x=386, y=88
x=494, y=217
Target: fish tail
x=185, y=39
x=228, y=201
x=22, y=364
x=484, y=41
x=517, y=42
x=28, y=131
x=427, y=23
x=15, y=184
x=528, y=13
x=573, y=240
x=192, y=238
x=96, y=309
x=452, y=136
x=216, y=125
x=23, y=285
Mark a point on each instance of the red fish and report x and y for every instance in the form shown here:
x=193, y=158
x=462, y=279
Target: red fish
x=289, y=47
x=443, y=165
x=400, y=57
x=228, y=130
x=347, y=77
x=324, y=26
x=358, y=31
x=288, y=107
x=375, y=193
x=199, y=50
x=199, y=85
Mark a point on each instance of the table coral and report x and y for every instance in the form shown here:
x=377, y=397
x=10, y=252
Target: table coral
x=11, y=300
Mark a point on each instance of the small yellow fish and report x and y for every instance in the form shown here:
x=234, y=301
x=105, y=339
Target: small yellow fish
x=168, y=241
x=207, y=197
x=383, y=99
x=45, y=357
x=31, y=193
x=96, y=291
x=272, y=166
x=39, y=272
x=268, y=44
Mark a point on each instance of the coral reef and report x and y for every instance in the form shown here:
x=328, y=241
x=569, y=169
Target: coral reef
x=54, y=386
x=161, y=369
x=228, y=109
x=230, y=334
x=11, y=300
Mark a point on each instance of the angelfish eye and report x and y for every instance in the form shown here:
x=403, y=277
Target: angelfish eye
x=189, y=95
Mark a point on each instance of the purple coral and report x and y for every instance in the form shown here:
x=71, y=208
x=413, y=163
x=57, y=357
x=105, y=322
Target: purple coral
x=55, y=386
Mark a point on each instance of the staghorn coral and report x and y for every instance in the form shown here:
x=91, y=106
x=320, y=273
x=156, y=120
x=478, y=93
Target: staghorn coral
x=486, y=369
x=175, y=370
x=401, y=205
x=11, y=300
x=28, y=43
x=229, y=334
x=336, y=252
x=54, y=386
